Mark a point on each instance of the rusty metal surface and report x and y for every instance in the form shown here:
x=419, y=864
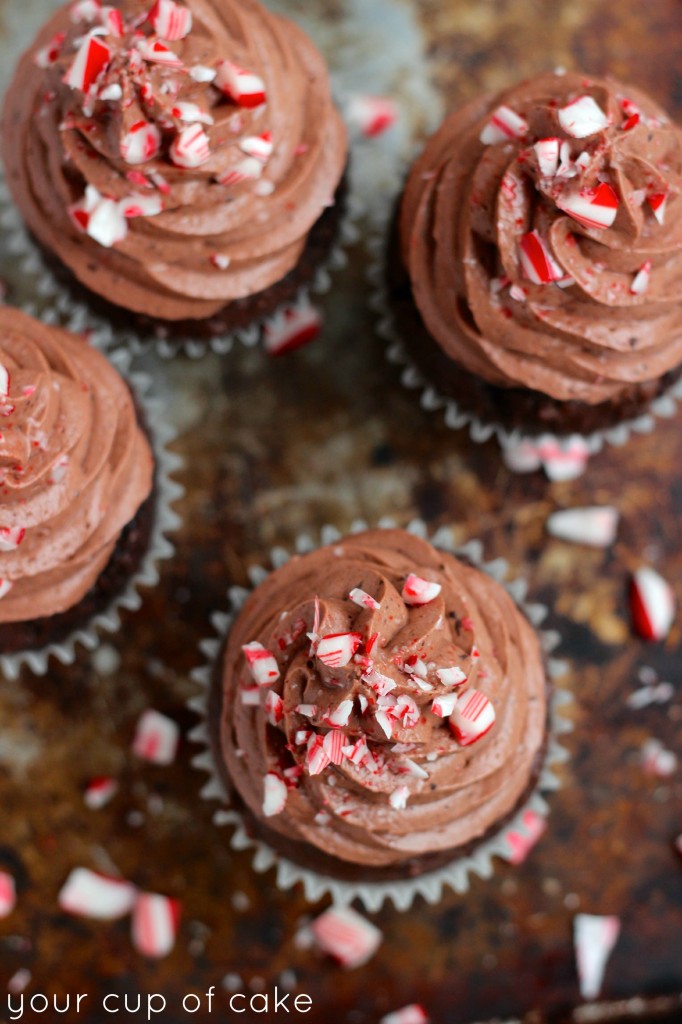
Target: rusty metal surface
x=328, y=435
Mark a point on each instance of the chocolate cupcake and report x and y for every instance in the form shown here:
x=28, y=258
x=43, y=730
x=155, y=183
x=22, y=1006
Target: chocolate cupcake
x=378, y=709
x=181, y=161
x=77, y=504
x=538, y=256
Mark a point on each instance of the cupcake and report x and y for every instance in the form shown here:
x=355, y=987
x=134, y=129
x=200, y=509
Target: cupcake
x=379, y=708
x=183, y=162
x=76, y=506
x=537, y=262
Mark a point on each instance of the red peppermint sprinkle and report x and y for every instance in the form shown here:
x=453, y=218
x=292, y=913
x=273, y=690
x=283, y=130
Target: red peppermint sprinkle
x=156, y=738
x=582, y=117
x=652, y=604
x=346, y=936
x=112, y=20
x=640, y=283
x=336, y=649
x=412, y=1014
x=630, y=123
x=657, y=201
x=592, y=207
x=8, y=894
x=292, y=328
x=5, y=587
x=547, y=153
x=90, y=61
x=155, y=52
x=140, y=143
x=417, y=591
x=472, y=718
x=371, y=115
x=503, y=125
x=241, y=86
x=363, y=599
x=88, y=894
x=262, y=663
x=537, y=262
x=99, y=792
x=274, y=708
x=155, y=924
x=595, y=526
x=594, y=938
x=333, y=744
x=49, y=54
x=170, y=20
x=521, y=843
x=191, y=148
x=275, y=795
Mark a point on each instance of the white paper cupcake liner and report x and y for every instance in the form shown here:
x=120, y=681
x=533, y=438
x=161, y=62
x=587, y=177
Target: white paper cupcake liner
x=41, y=294
x=402, y=893
x=165, y=520
x=563, y=457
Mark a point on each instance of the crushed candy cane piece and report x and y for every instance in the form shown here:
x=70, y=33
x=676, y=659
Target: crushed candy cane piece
x=503, y=125
x=640, y=282
x=11, y=537
x=291, y=328
x=417, y=591
x=594, y=937
x=262, y=663
x=336, y=649
x=5, y=587
x=317, y=758
x=274, y=708
x=156, y=738
x=8, y=894
x=522, y=842
x=595, y=526
x=141, y=206
x=248, y=169
x=48, y=55
x=657, y=760
x=657, y=201
x=219, y=260
x=191, y=113
x=99, y=217
x=339, y=716
x=155, y=924
x=241, y=86
x=472, y=718
x=85, y=10
x=92, y=57
x=371, y=115
x=258, y=146
x=582, y=117
x=88, y=894
x=333, y=744
x=191, y=147
x=274, y=795
x=99, y=792
x=154, y=51
x=452, y=676
x=412, y=1014
x=537, y=262
x=363, y=599
x=547, y=153
x=342, y=933
x=112, y=21
x=652, y=604
x=201, y=73
x=591, y=207
x=170, y=20
x=445, y=705
x=399, y=797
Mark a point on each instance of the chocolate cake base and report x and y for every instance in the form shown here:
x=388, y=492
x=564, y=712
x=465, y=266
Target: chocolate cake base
x=240, y=313
x=513, y=408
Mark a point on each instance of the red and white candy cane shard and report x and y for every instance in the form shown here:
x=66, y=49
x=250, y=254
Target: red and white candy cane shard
x=547, y=153
x=292, y=328
x=594, y=937
x=564, y=461
x=652, y=604
x=90, y=61
x=248, y=169
x=640, y=282
x=333, y=744
x=99, y=792
x=275, y=795
x=258, y=146
x=406, y=711
x=399, y=797
x=371, y=115
x=445, y=705
x=141, y=206
x=155, y=924
x=241, y=86
x=363, y=599
x=190, y=112
x=5, y=587
x=657, y=202
x=473, y=717
x=521, y=843
x=170, y=20
x=582, y=117
x=156, y=738
x=100, y=218
x=112, y=20
x=47, y=55
x=412, y=1014
x=11, y=537
x=262, y=663
x=595, y=526
x=5, y=382
x=537, y=262
x=220, y=260
x=452, y=676
x=85, y=10
x=191, y=148
x=316, y=758
x=155, y=52
x=339, y=716
x=592, y=207
x=8, y=894
x=201, y=73
x=657, y=760
x=274, y=708
x=503, y=125
x=111, y=93
x=417, y=591
x=250, y=696
x=343, y=934
x=89, y=894
x=336, y=649
x=307, y=710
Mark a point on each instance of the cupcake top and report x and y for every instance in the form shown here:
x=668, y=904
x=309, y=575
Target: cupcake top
x=542, y=234
x=75, y=467
x=173, y=155
x=382, y=700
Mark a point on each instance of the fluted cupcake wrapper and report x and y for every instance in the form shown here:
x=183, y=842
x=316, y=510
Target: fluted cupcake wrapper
x=165, y=521
x=41, y=294
x=430, y=885
x=561, y=456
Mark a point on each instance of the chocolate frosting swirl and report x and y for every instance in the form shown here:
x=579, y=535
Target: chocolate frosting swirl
x=75, y=467
x=191, y=243
x=608, y=314
x=452, y=793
